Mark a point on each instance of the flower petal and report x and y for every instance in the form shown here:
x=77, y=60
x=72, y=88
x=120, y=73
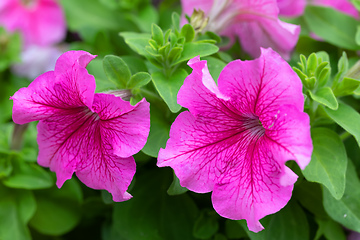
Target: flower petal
x=280, y=36
x=126, y=126
x=112, y=173
x=54, y=92
x=205, y=89
x=42, y=23
x=251, y=188
x=291, y=8
x=237, y=146
x=263, y=84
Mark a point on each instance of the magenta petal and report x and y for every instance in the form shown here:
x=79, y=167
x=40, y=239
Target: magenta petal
x=73, y=58
x=273, y=33
x=291, y=8
x=192, y=154
x=80, y=141
x=54, y=92
x=264, y=84
x=41, y=23
x=112, y=173
x=236, y=139
x=206, y=89
x=127, y=126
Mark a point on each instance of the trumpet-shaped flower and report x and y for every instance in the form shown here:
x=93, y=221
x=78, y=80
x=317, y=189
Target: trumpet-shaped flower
x=237, y=136
x=295, y=8
x=93, y=135
x=41, y=22
x=255, y=23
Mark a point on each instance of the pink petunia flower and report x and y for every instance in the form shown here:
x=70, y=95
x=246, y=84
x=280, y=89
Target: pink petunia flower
x=295, y=8
x=94, y=135
x=41, y=22
x=237, y=136
x=255, y=23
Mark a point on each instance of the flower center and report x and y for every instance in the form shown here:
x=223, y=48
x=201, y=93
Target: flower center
x=220, y=15
x=254, y=127
x=28, y=3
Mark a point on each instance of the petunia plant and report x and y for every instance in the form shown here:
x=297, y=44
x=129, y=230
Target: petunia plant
x=179, y=119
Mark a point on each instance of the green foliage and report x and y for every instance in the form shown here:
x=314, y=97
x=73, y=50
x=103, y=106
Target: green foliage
x=166, y=51
x=206, y=225
x=347, y=209
x=10, y=47
x=328, y=161
x=169, y=87
x=348, y=118
x=333, y=26
x=58, y=210
x=152, y=214
x=289, y=223
x=17, y=208
x=117, y=71
x=27, y=176
x=175, y=187
x=159, y=132
x=330, y=229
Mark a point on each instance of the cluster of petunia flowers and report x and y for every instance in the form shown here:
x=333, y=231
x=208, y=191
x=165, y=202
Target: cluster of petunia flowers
x=234, y=139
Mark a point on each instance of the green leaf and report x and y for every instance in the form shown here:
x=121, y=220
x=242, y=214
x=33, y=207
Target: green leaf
x=5, y=164
x=193, y=49
x=168, y=87
x=328, y=161
x=89, y=13
x=330, y=229
x=357, y=35
x=289, y=223
x=348, y=118
x=145, y=17
x=10, y=45
x=215, y=67
x=346, y=87
x=309, y=194
x=311, y=64
x=28, y=176
x=138, y=80
x=188, y=32
x=333, y=26
x=346, y=210
x=324, y=56
x=206, y=225
x=157, y=34
x=152, y=214
x=58, y=209
x=175, y=54
x=96, y=68
x=116, y=70
x=17, y=207
x=137, y=41
x=135, y=64
x=175, y=18
x=326, y=97
x=356, y=3
x=233, y=230
x=175, y=187
x=159, y=132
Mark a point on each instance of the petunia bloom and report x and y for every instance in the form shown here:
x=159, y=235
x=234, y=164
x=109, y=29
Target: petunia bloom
x=93, y=135
x=237, y=136
x=295, y=8
x=255, y=23
x=41, y=22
